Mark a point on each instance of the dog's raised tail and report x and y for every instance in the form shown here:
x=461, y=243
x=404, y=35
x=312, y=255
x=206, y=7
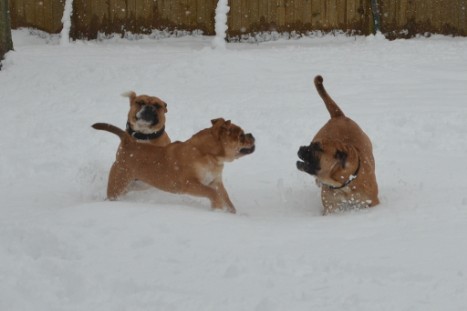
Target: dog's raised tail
x=112, y=129
x=331, y=105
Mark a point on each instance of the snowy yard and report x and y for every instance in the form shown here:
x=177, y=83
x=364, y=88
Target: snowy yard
x=62, y=247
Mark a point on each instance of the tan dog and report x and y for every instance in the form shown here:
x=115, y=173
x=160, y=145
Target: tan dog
x=192, y=167
x=146, y=119
x=341, y=157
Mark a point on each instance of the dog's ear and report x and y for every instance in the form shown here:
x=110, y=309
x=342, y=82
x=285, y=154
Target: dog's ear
x=217, y=125
x=226, y=127
x=345, y=153
x=130, y=94
x=341, y=156
x=217, y=121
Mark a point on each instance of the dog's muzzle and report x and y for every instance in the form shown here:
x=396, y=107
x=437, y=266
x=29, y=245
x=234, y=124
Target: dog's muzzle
x=148, y=114
x=249, y=150
x=310, y=160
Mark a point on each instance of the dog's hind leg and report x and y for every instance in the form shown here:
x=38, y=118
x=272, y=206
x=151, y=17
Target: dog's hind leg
x=118, y=182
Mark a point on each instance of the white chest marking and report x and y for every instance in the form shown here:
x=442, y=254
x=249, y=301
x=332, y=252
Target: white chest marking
x=206, y=176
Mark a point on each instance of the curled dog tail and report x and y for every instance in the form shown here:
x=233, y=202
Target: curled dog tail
x=331, y=105
x=112, y=129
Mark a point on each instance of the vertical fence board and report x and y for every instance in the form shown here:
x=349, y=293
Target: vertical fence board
x=14, y=12
x=405, y=8
x=272, y=14
x=325, y=14
x=262, y=13
x=350, y=11
x=190, y=14
x=245, y=14
x=289, y=14
x=341, y=14
x=118, y=10
x=47, y=12
x=182, y=19
x=200, y=6
x=29, y=11
x=332, y=11
x=254, y=15
x=299, y=20
x=281, y=12
x=233, y=17
x=138, y=15
x=40, y=12
x=463, y=16
x=307, y=15
x=316, y=15
x=57, y=14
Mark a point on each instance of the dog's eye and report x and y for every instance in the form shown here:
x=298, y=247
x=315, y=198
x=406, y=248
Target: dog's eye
x=140, y=103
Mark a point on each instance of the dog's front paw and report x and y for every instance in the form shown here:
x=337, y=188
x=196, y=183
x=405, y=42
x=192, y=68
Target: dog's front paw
x=231, y=210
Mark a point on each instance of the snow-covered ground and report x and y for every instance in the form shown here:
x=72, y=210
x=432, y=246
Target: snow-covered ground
x=62, y=247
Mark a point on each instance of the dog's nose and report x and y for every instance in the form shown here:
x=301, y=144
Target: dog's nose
x=148, y=114
x=249, y=136
x=301, y=152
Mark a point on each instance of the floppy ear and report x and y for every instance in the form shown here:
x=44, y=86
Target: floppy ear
x=130, y=94
x=345, y=153
x=341, y=156
x=225, y=127
x=216, y=121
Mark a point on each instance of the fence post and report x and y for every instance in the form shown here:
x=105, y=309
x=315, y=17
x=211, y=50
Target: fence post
x=6, y=44
x=376, y=16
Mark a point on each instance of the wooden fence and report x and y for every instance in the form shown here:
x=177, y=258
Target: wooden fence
x=406, y=18
x=298, y=15
x=44, y=15
x=141, y=16
x=400, y=18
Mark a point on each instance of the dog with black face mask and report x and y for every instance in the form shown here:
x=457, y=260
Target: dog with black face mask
x=146, y=119
x=340, y=156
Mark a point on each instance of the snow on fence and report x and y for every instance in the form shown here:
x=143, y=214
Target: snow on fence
x=399, y=18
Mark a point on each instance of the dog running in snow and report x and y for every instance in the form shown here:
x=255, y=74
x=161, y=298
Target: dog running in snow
x=340, y=156
x=192, y=167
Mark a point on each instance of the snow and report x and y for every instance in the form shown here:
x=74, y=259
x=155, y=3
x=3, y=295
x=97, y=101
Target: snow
x=220, y=25
x=63, y=247
x=66, y=21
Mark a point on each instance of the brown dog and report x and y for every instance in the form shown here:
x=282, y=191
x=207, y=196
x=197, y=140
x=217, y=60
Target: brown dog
x=341, y=157
x=192, y=167
x=146, y=119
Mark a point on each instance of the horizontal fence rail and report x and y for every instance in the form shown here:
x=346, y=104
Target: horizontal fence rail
x=399, y=18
